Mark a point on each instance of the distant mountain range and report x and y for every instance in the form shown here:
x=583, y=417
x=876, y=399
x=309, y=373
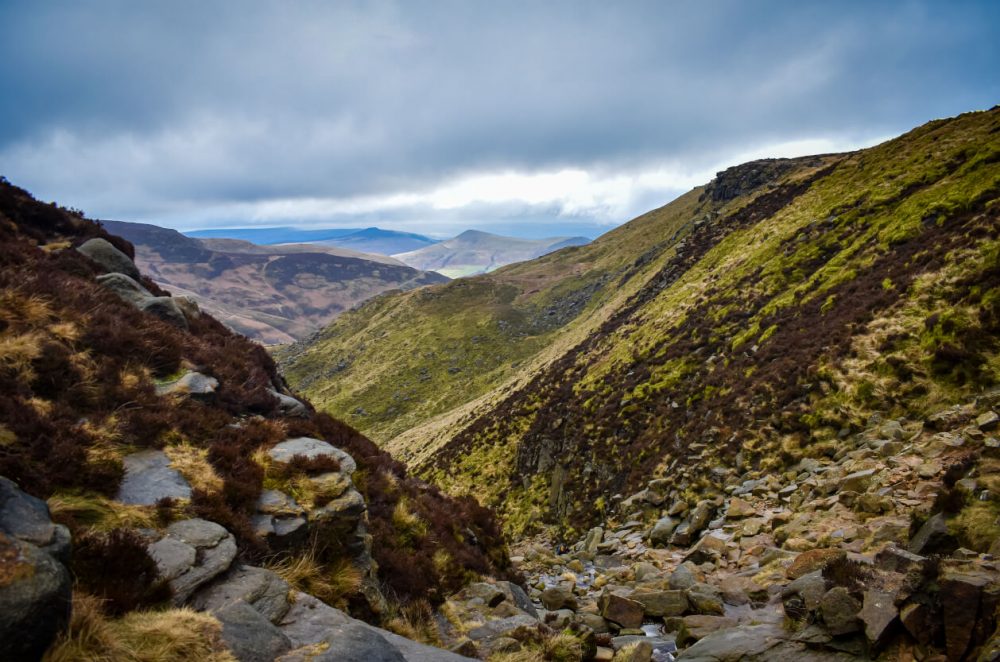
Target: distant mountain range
x=368, y=240
x=476, y=252
x=274, y=294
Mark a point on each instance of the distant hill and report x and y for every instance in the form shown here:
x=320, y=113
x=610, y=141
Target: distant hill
x=386, y=242
x=368, y=240
x=476, y=252
x=273, y=294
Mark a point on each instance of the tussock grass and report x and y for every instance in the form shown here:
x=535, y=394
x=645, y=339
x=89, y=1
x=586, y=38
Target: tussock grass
x=192, y=463
x=330, y=582
x=100, y=513
x=174, y=635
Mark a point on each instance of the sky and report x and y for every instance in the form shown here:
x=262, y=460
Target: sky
x=525, y=118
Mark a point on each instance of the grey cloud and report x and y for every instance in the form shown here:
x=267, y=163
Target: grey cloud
x=144, y=110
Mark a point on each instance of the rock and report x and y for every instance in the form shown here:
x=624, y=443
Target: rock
x=594, y=622
x=149, y=478
x=813, y=560
x=261, y=589
x=594, y=538
x=125, y=288
x=193, y=552
x=622, y=611
x=288, y=405
x=166, y=309
x=681, y=578
x=35, y=594
x=27, y=518
x=857, y=481
x=249, y=635
x=645, y=570
x=700, y=626
x=878, y=614
x=705, y=599
x=193, y=384
x=803, y=595
x=661, y=603
x=695, y=524
x=516, y=596
x=919, y=620
x=640, y=651
x=750, y=642
x=709, y=548
x=988, y=421
x=188, y=306
x=311, y=448
x=840, y=611
x=279, y=517
x=960, y=593
x=891, y=430
x=739, y=508
x=110, y=258
x=555, y=597
x=501, y=627
x=660, y=534
x=933, y=538
x=321, y=633
x=489, y=594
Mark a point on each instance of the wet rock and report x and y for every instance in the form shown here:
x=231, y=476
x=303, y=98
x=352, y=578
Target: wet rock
x=621, y=611
x=108, y=257
x=840, y=611
x=262, y=589
x=192, y=553
x=249, y=635
x=149, y=478
x=660, y=535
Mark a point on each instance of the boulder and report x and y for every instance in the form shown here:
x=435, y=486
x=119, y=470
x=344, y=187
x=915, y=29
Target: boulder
x=803, y=595
x=840, y=611
x=686, y=532
x=732, y=644
x=125, y=287
x=516, y=596
x=933, y=538
x=166, y=309
x=108, y=257
x=27, y=518
x=594, y=538
x=659, y=535
x=35, y=595
x=878, y=614
x=682, y=578
x=661, y=603
x=988, y=421
x=149, y=478
x=249, y=635
x=813, y=560
x=961, y=592
x=261, y=589
x=192, y=553
x=192, y=384
x=699, y=626
x=556, y=597
x=619, y=610
x=705, y=599
x=288, y=405
x=311, y=448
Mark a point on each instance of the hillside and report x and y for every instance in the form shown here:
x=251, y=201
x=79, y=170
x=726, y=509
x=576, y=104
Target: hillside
x=474, y=252
x=385, y=242
x=179, y=472
x=272, y=294
x=749, y=321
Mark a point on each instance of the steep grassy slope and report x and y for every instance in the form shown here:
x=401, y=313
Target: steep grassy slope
x=757, y=318
x=273, y=294
x=79, y=370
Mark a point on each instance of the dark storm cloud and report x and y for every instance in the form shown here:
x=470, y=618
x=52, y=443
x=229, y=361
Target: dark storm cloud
x=163, y=111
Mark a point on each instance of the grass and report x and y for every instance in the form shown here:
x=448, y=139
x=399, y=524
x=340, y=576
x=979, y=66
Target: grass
x=99, y=513
x=332, y=583
x=192, y=463
x=174, y=635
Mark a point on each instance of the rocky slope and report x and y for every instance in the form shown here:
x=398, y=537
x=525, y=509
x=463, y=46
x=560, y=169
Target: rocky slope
x=475, y=252
x=272, y=294
x=156, y=466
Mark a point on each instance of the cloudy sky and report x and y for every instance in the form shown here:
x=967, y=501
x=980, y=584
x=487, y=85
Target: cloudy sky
x=528, y=118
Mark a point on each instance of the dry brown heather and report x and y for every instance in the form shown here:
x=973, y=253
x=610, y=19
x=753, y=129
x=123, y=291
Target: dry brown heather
x=78, y=369
x=758, y=317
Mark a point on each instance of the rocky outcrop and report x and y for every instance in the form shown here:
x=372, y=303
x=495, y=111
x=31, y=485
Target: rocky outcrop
x=168, y=309
x=35, y=586
x=192, y=553
x=108, y=257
